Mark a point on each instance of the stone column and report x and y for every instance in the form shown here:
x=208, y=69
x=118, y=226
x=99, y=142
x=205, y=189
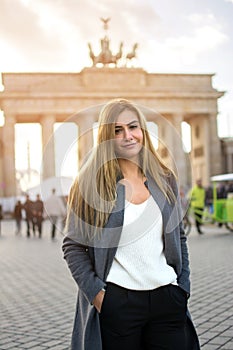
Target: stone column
x=159, y=133
x=85, y=139
x=178, y=150
x=8, y=144
x=175, y=146
x=200, y=153
x=162, y=142
x=229, y=163
x=48, y=166
x=216, y=166
x=206, y=145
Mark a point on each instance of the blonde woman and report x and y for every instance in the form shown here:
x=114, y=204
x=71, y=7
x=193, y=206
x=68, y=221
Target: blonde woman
x=125, y=245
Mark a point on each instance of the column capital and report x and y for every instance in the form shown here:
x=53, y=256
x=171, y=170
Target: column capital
x=47, y=116
x=178, y=115
x=9, y=119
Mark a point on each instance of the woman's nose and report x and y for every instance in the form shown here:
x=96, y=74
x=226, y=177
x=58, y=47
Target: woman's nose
x=128, y=134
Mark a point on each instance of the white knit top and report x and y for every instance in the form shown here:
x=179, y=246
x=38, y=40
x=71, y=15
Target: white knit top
x=139, y=263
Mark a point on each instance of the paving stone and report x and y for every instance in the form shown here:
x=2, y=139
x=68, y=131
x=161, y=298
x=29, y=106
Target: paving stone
x=210, y=346
x=221, y=340
x=38, y=294
x=227, y=346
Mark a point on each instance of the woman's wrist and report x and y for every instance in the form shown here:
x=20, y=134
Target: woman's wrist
x=98, y=300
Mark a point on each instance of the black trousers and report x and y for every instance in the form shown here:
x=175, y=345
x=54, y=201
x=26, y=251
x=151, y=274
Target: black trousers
x=29, y=226
x=53, y=220
x=143, y=320
x=198, y=213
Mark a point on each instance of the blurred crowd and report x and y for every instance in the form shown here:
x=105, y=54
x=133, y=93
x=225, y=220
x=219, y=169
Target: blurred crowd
x=35, y=212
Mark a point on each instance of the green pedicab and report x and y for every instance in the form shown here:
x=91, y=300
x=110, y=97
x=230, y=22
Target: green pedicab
x=222, y=207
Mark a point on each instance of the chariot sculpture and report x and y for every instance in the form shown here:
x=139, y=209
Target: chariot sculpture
x=105, y=56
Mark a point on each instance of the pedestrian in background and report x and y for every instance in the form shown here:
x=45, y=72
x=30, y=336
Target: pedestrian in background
x=125, y=245
x=209, y=199
x=229, y=189
x=197, y=197
x=221, y=191
x=28, y=208
x=18, y=216
x=38, y=210
x=55, y=209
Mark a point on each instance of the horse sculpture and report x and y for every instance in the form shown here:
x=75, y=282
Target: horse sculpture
x=132, y=54
x=118, y=55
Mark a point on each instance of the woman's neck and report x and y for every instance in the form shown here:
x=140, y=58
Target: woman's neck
x=134, y=181
x=129, y=169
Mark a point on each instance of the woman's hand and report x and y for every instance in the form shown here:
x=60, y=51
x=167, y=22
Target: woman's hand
x=98, y=300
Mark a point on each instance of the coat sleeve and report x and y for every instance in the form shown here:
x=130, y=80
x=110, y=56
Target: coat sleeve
x=184, y=277
x=80, y=265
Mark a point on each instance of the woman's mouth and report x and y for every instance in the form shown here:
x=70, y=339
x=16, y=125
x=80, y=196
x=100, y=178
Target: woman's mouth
x=129, y=145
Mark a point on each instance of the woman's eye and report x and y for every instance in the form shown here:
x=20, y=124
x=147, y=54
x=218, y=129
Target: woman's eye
x=133, y=126
x=117, y=131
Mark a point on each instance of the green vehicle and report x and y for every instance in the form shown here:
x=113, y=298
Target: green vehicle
x=222, y=207
x=222, y=211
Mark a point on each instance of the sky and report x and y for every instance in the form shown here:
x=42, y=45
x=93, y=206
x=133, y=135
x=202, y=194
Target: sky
x=173, y=36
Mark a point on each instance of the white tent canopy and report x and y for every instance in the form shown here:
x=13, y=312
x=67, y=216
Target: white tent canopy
x=222, y=177
x=61, y=184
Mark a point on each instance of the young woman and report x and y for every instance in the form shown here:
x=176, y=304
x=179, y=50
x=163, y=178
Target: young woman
x=125, y=245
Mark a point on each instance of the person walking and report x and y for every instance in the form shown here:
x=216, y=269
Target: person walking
x=28, y=208
x=125, y=245
x=197, y=197
x=38, y=210
x=18, y=216
x=55, y=209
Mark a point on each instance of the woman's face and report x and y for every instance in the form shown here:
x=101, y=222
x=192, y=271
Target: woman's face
x=128, y=135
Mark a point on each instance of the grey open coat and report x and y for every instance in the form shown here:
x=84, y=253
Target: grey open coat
x=90, y=263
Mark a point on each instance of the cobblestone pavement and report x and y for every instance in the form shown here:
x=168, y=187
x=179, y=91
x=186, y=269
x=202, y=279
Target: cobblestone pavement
x=37, y=293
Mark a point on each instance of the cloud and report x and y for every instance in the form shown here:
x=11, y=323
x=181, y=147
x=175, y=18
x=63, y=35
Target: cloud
x=205, y=36
x=52, y=35
x=203, y=39
x=39, y=30
x=23, y=34
x=188, y=45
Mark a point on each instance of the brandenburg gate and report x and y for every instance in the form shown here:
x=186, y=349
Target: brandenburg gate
x=47, y=98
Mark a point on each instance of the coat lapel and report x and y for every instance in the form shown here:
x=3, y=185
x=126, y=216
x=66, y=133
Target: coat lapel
x=105, y=247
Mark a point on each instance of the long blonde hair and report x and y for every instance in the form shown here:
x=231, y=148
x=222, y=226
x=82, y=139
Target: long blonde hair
x=93, y=194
